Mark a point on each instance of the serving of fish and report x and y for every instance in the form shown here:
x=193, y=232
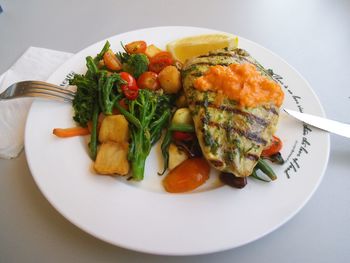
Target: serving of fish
x=232, y=131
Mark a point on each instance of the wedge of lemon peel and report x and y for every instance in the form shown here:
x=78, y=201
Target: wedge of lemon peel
x=189, y=47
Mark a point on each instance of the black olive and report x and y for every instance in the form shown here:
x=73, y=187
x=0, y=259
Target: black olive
x=232, y=180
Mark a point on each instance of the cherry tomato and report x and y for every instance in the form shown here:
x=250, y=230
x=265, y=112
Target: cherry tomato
x=187, y=176
x=136, y=47
x=131, y=81
x=148, y=80
x=160, y=61
x=130, y=90
x=183, y=136
x=274, y=147
x=111, y=61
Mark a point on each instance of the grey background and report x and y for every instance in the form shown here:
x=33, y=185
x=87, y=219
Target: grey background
x=313, y=36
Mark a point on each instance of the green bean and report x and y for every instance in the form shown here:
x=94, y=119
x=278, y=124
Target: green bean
x=157, y=126
x=266, y=169
x=167, y=140
x=165, y=150
x=182, y=127
x=255, y=176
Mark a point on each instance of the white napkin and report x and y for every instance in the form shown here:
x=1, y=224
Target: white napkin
x=34, y=64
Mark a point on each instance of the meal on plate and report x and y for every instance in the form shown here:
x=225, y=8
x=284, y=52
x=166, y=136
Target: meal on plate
x=210, y=103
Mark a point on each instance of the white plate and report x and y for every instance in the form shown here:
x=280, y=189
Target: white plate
x=142, y=216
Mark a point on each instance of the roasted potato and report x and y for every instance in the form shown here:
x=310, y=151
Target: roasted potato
x=182, y=116
x=176, y=156
x=114, y=128
x=152, y=50
x=170, y=79
x=112, y=158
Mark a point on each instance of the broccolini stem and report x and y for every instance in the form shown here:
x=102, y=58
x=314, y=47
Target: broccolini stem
x=128, y=115
x=138, y=167
x=139, y=156
x=93, y=138
x=92, y=68
x=106, y=94
x=103, y=51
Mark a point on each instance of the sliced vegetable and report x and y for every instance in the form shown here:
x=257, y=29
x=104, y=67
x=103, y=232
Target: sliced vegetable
x=128, y=78
x=129, y=89
x=148, y=80
x=160, y=61
x=111, y=61
x=136, y=47
x=266, y=169
x=130, y=92
x=70, y=132
x=183, y=136
x=187, y=176
x=176, y=156
x=274, y=147
x=255, y=176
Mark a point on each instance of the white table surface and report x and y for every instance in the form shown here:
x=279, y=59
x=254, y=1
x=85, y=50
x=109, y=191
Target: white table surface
x=313, y=36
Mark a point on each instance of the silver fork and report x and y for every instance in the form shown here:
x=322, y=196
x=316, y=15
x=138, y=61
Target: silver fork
x=37, y=89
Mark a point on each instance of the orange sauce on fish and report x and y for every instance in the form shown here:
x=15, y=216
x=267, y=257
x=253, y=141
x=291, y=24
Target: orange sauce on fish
x=242, y=83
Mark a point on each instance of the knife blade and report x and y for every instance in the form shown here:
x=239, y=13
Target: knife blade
x=336, y=127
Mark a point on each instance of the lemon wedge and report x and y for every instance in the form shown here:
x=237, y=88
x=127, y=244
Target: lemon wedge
x=189, y=47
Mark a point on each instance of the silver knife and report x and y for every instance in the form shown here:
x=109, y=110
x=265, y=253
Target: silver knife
x=336, y=127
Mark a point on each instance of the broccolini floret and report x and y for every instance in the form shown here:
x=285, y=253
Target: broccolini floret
x=136, y=64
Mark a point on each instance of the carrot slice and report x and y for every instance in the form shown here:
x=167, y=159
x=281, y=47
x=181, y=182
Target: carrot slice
x=70, y=132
